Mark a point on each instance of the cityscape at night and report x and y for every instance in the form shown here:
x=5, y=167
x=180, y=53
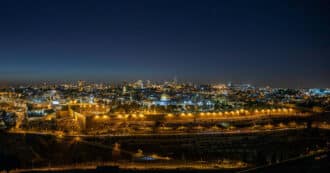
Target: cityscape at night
x=164, y=86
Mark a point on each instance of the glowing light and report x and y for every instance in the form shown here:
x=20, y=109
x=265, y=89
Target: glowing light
x=181, y=128
x=77, y=139
x=215, y=127
x=55, y=102
x=60, y=136
x=170, y=115
x=268, y=126
x=281, y=125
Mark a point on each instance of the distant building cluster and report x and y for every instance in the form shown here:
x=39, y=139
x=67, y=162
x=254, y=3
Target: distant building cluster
x=72, y=106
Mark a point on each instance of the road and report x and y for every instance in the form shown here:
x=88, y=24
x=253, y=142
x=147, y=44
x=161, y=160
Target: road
x=182, y=121
x=174, y=165
x=243, y=131
x=141, y=166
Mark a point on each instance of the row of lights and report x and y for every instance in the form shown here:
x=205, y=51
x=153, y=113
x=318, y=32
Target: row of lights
x=279, y=110
x=237, y=112
x=170, y=115
x=90, y=106
x=104, y=117
x=267, y=126
x=86, y=105
x=132, y=116
x=120, y=116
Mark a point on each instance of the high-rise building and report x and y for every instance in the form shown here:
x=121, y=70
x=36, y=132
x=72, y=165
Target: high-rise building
x=81, y=85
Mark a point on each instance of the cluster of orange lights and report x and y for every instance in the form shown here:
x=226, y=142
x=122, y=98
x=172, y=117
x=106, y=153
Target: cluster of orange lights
x=120, y=116
x=279, y=110
x=92, y=105
x=104, y=117
x=202, y=114
x=237, y=112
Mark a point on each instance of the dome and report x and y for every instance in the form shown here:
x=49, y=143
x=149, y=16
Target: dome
x=164, y=97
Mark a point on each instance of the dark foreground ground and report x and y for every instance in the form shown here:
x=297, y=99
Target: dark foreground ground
x=268, y=151
x=319, y=163
x=265, y=152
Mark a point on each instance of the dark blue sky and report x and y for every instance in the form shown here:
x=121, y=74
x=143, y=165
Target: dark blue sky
x=277, y=43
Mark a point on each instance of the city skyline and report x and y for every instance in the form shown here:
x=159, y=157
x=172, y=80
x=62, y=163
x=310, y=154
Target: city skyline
x=166, y=86
x=183, y=82
x=262, y=43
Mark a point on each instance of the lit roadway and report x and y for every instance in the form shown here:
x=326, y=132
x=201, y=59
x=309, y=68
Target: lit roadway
x=187, y=118
x=238, y=115
x=172, y=165
x=237, y=131
x=141, y=166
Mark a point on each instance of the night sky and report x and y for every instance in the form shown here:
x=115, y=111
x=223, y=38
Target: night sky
x=276, y=43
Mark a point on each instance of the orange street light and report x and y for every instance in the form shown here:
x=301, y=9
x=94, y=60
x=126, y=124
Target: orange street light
x=170, y=115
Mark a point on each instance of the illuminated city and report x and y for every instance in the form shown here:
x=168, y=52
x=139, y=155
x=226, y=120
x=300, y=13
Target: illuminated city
x=128, y=121
x=164, y=86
